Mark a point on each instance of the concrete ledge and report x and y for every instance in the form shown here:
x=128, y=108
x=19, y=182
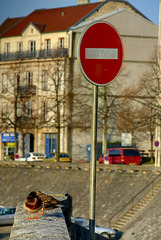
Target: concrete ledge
x=49, y=226
x=74, y=166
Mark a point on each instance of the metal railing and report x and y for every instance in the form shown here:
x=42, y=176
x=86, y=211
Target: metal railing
x=149, y=187
x=51, y=53
x=22, y=90
x=27, y=121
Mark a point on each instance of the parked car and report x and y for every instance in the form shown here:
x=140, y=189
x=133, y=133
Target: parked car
x=1, y=208
x=7, y=215
x=127, y=156
x=33, y=156
x=101, y=160
x=106, y=232
x=63, y=157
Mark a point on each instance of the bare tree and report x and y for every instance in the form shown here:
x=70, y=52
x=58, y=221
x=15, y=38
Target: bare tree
x=109, y=103
x=53, y=98
x=15, y=94
x=141, y=107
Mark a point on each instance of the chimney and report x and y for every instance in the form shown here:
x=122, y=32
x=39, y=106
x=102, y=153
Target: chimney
x=83, y=2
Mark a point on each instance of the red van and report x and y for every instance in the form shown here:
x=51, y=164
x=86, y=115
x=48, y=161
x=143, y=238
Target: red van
x=127, y=156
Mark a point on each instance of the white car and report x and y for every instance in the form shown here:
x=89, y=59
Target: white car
x=106, y=232
x=33, y=156
x=7, y=215
x=1, y=208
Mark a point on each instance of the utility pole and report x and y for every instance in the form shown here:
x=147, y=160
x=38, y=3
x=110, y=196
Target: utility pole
x=158, y=128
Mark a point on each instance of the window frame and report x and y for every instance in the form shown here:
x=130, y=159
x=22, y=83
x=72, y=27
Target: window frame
x=20, y=47
x=32, y=48
x=61, y=42
x=29, y=109
x=7, y=48
x=29, y=79
x=5, y=83
x=45, y=81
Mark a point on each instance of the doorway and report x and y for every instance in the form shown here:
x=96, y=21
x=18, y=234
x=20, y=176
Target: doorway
x=28, y=143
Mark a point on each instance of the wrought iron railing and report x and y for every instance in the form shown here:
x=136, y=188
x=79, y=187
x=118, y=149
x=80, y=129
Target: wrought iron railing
x=23, y=120
x=25, y=90
x=51, y=53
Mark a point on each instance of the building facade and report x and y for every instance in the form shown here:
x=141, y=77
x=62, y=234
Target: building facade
x=39, y=75
x=140, y=43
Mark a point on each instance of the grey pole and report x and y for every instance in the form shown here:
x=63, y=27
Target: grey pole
x=93, y=165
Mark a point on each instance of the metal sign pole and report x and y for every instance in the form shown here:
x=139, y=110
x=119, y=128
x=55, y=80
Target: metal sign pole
x=93, y=165
x=97, y=55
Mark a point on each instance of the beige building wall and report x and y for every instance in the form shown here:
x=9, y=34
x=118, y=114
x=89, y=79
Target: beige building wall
x=32, y=34
x=140, y=41
x=36, y=66
x=108, y=8
x=83, y=1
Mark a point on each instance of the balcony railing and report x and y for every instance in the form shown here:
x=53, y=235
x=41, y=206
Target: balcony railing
x=51, y=53
x=25, y=90
x=26, y=121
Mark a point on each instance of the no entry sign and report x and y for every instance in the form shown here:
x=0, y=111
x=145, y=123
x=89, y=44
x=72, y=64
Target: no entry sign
x=100, y=53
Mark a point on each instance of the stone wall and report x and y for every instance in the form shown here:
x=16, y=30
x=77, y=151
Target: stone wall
x=115, y=185
x=49, y=226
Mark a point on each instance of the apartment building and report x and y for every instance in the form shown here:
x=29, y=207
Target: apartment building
x=38, y=70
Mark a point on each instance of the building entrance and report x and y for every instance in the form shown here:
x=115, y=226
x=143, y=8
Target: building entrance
x=50, y=143
x=28, y=143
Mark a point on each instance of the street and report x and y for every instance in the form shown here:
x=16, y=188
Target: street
x=5, y=232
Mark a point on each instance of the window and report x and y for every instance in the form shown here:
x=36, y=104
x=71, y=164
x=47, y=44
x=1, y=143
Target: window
x=60, y=78
x=4, y=111
x=114, y=153
x=61, y=42
x=131, y=152
x=45, y=81
x=48, y=46
x=32, y=46
x=29, y=79
x=44, y=112
x=7, y=48
x=5, y=83
x=29, y=109
x=19, y=47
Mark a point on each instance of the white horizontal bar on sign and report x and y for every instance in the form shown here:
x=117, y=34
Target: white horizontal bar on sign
x=101, y=53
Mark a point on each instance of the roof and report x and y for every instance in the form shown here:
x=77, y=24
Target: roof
x=52, y=20
x=8, y=23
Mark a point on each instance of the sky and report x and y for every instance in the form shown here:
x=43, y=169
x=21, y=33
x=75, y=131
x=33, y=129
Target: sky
x=21, y=8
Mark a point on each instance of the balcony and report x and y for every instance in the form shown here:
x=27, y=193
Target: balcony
x=51, y=53
x=24, y=121
x=25, y=90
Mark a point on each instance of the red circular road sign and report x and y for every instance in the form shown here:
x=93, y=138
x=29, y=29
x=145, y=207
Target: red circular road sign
x=17, y=156
x=156, y=143
x=100, y=53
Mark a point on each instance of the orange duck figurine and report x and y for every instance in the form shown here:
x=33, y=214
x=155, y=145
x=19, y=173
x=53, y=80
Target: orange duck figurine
x=33, y=204
x=49, y=202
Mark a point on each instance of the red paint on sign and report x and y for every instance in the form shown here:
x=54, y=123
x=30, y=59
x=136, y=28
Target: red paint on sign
x=100, y=53
x=156, y=144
